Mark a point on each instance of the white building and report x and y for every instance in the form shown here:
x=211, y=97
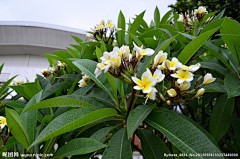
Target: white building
x=23, y=43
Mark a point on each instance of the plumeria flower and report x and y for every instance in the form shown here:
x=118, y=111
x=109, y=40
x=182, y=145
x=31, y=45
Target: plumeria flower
x=105, y=57
x=192, y=68
x=159, y=58
x=122, y=51
x=3, y=122
x=158, y=75
x=172, y=65
x=99, y=27
x=61, y=64
x=200, y=10
x=200, y=92
x=162, y=66
x=52, y=69
x=99, y=68
x=82, y=83
x=146, y=83
x=140, y=52
x=115, y=61
x=183, y=76
x=85, y=78
x=184, y=86
x=172, y=93
x=208, y=78
x=89, y=36
x=151, y=95
x=181, y=18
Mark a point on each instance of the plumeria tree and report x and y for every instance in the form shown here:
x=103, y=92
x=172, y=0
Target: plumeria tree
x=165, y=89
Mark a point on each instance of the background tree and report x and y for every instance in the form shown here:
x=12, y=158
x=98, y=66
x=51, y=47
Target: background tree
x=232, y=6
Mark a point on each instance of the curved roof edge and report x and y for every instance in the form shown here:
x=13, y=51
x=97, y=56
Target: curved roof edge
x=42, y=25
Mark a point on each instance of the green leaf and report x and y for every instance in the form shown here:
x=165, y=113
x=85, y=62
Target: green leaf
x=236, y=128
x=30, y=118
x=194, y=45
x=82, y=91
x=73, y=53
x=55, y=88
x=219, y=15
x=62, y=54
x=14, y=104
x=135, y=39
x=166, y=17
x=152, y=146
x=43, y=81
x=119, y=146
x=232, y=85
x=101, y=134
x=221, y=116
x=78, y=147
x=121, y=34
x=136, y=117
x=5, y=85
x=214, y=87
x=17, y=127
x=88, y=67
x=214, y=66
x=78, y=40
x=187, y=137
x=1, y=67
x=212, y=25
x=134, y=26
x=57, y=102
x=233, y=44
x=99, y=54
x=113, y=85
x=71, y=120
x=206, y=16
x=157, y=17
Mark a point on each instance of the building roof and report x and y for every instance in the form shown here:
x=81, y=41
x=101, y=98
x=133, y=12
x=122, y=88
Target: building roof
x=35, y=38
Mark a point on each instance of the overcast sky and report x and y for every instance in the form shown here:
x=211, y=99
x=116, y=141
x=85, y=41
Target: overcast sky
x=81, y=14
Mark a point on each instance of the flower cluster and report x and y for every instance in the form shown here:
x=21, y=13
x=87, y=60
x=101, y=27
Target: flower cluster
x=53, y=70
x=84, y=81
x=104, y=32
x=121, y=63
x=188, y=19
x=17, y=82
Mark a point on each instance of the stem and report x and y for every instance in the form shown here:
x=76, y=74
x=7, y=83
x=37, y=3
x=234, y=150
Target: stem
x=131, y=101
x=191, y=112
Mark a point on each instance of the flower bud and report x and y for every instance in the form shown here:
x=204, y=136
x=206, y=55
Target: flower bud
x=208, y=78
x=168, y=102
x=199, y=78
x=89, y=36
x=167, y=64
x=162, y=97
x=171, y=92
x=200, y=92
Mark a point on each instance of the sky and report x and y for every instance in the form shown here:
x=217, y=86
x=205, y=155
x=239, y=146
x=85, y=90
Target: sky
x=80, y=14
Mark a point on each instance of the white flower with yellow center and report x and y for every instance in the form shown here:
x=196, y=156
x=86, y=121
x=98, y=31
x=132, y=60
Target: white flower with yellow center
x=146, y=83
x=105, y=57
x=152, y=95
x=82, y=83
x=171, y=92
x=140, y=52
x=172, y=65
x=181, y=18
x=85, y=78
x=183, y=76
x=158, y=75
x=208, y=78
x=99, y=69
x=52, y=69
x=99, y=27
x=123, y=51
x=192, y=68
x=115, y=61
x=3, y=122
x=184, y=86
x=162, y=66
x=200, y=10
x=61, y=64
x=159, y=58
